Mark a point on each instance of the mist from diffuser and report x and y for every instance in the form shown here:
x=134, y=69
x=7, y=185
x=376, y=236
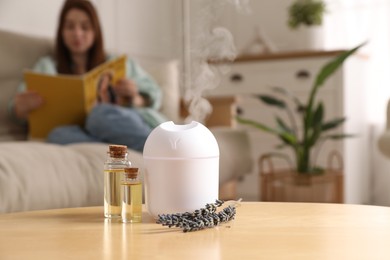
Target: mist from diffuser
x=181, y=168
x=209, y=42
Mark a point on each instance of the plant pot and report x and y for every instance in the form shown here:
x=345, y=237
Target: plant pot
x=307, y=38
x=287, y=185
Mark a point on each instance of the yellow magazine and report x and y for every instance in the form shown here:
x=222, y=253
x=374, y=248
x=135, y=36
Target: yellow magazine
x=67, y=98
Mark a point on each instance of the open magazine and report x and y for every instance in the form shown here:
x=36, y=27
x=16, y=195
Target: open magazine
x=68, y=98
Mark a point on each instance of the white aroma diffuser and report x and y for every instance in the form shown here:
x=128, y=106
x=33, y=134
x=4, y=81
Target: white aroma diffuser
x=181, y=168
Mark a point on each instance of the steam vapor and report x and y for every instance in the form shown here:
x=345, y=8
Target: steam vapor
x=209, y=44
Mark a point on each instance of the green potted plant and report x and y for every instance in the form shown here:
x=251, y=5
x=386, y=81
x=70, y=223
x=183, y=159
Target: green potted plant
x=311, y=114
x=305, y=18
x=306, y=12
x=305, y=181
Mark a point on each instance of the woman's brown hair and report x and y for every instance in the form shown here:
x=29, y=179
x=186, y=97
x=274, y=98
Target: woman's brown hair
x=96, y=55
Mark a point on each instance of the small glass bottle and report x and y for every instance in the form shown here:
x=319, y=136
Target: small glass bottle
x=131, y=197
x=114, y=169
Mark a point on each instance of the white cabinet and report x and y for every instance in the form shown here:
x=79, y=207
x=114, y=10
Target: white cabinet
x=342, y=95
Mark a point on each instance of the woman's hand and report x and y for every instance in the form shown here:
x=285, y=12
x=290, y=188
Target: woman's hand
x=105, y=93
x=25, y=102
x=127, y=92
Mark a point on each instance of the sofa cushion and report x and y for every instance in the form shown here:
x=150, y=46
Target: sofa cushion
x=35, y=176
x=17, y=53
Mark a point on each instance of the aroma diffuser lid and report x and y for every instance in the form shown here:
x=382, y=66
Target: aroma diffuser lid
x=192, y=140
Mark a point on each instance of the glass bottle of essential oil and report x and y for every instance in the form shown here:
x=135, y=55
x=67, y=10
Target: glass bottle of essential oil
x=114, y=169
x=131, y=196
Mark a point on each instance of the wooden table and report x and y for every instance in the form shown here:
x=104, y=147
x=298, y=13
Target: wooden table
x=261, y=231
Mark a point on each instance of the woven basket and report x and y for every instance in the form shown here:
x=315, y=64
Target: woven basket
x=289, y=186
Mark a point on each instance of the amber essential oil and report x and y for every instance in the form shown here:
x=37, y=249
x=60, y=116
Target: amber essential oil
x=131, y=197
x=112, y=193
x=114, y=170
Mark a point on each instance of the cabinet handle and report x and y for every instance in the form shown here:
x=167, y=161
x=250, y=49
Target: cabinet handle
x=236, y=77
x=303, y=74
x=239, y=111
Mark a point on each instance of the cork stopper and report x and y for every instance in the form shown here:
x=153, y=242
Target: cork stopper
x=131, y=172
x=117, y=151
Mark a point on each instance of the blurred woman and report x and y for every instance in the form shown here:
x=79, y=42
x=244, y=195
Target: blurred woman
x=125, y=112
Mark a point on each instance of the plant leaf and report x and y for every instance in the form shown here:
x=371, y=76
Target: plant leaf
x=333, y=65
x=288, y=94
x=318, y=116
x=308, y=120
x=338, y=136
x=315, y=129
x=324, y=73
x=286, y=137
x=286, y=134
x=333, y=123
x=313, y=138
x=283, y=125
x=257, y=125
x=269, y=100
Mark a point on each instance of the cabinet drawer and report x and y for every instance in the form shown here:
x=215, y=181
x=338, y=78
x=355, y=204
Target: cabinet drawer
x=256, y=77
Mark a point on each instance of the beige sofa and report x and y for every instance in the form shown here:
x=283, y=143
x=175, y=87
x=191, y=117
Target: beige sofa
x=37, y=175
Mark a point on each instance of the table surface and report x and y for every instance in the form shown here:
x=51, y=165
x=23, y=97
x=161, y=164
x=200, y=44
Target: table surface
x=261, y=230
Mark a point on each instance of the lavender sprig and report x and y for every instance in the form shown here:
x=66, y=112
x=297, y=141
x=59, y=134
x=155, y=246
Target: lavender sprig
x=206, y=217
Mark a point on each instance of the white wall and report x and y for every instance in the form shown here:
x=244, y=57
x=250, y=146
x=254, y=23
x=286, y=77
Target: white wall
x=149, y=27
x=38, y=17
x=138, y=27
x=270, y=16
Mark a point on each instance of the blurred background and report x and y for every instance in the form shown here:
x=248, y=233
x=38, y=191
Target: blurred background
x=168, y=29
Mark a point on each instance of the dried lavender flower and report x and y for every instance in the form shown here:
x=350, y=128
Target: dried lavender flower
x=206, y=217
